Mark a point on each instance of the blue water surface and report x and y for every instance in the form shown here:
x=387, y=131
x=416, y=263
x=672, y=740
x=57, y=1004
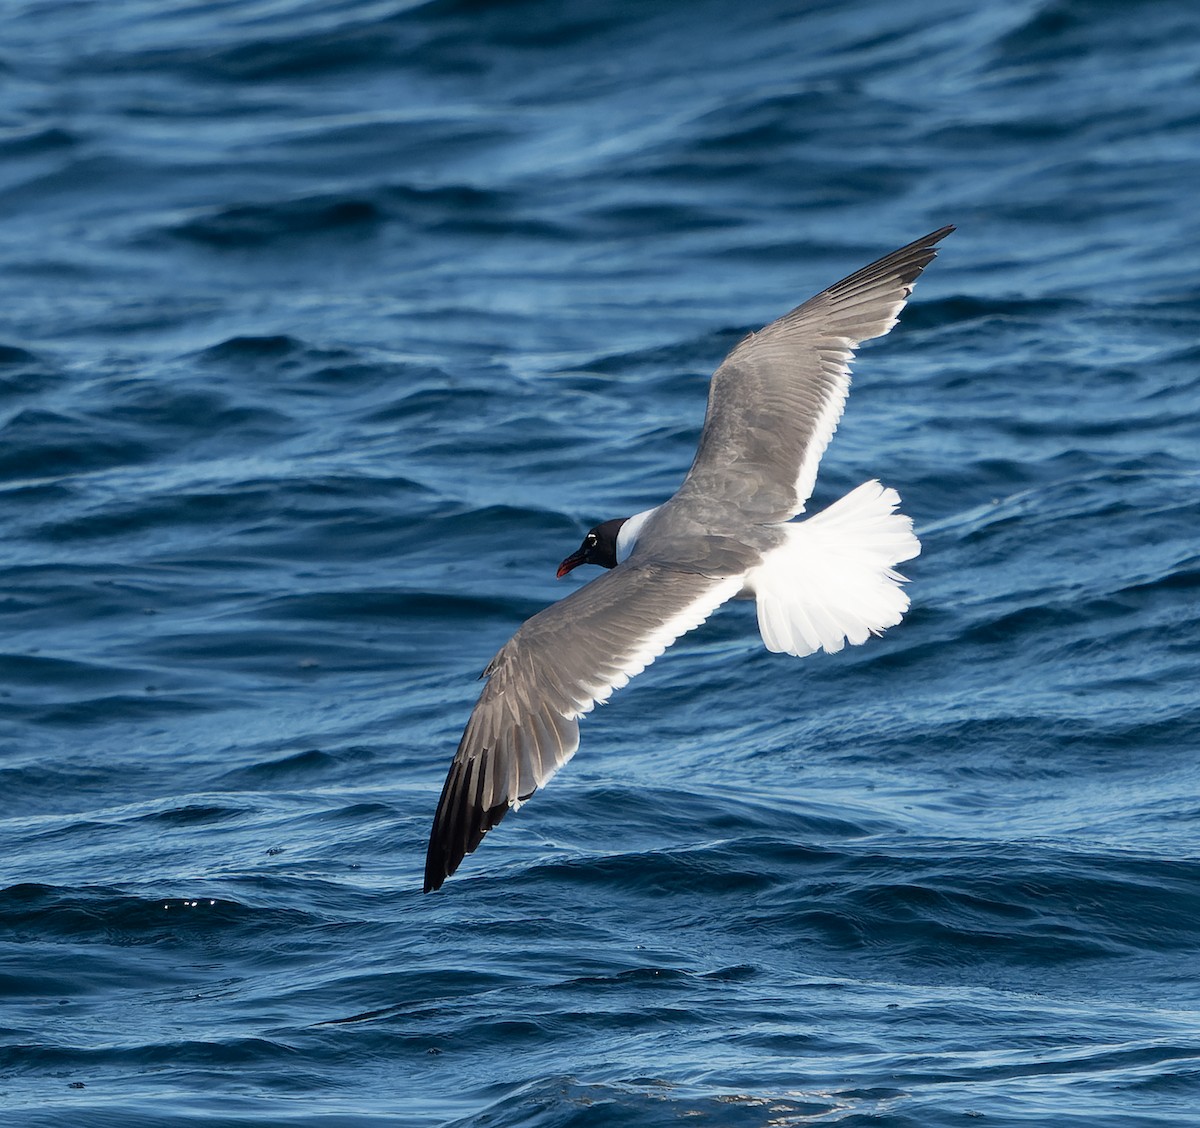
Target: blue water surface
x=328, y=326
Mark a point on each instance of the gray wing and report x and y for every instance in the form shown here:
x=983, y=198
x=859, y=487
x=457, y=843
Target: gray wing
x=775, y=402
x=552, y=671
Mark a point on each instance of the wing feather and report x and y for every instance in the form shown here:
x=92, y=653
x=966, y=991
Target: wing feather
x=775, y=401
x=550, y=673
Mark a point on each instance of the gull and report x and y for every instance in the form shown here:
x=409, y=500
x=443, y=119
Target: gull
x=728, y=531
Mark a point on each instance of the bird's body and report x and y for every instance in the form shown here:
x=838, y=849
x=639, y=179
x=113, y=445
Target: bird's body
x=773, y=406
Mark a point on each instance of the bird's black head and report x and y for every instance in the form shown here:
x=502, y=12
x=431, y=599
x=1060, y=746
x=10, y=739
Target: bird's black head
x=599, y=547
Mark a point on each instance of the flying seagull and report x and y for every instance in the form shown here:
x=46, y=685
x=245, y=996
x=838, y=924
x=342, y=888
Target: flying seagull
x=773, y=406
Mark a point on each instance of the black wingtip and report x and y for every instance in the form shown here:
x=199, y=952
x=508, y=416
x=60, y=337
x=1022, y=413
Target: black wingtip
x=929, y=245
x=437, y=864
x=929, y=240
x=904, y=265
x=432, y=882
x=460, y=823
x=926, y=245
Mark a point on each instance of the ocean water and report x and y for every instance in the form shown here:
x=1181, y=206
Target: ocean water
x=326, y=329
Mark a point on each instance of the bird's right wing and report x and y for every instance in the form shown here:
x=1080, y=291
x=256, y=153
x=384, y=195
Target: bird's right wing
x=552, y=671
x=776, y=399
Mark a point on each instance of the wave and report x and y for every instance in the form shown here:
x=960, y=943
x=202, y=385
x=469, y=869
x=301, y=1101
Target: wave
x=112, y=915
x=447, y=209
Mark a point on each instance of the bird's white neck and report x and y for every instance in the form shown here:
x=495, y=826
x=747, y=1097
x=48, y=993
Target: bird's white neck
x=628, y=535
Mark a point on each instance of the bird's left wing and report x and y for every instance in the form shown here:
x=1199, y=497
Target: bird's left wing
x=776, y=399
x=552, y=671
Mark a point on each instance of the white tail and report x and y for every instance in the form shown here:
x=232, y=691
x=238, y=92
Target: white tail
x=832, y=580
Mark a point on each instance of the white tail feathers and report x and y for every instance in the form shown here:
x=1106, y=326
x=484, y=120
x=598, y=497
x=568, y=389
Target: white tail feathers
x=832, y=579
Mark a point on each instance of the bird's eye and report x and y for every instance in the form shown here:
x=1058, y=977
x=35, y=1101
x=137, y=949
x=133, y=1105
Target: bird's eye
x=591, y=538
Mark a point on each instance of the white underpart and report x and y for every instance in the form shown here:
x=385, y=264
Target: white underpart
x=653, y=644
x=628, y=534
x=833, y=580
